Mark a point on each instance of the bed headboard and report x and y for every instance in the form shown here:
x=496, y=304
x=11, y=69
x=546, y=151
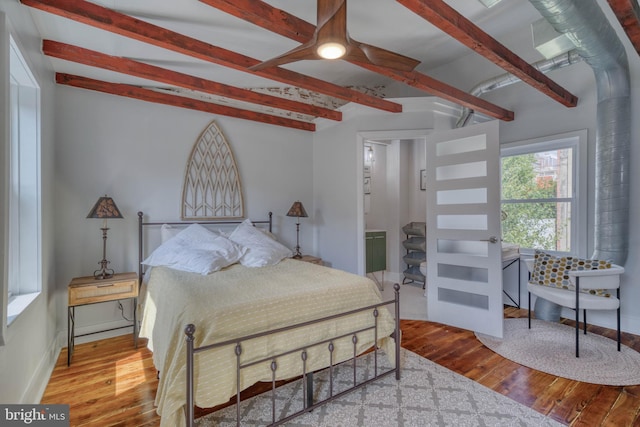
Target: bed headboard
x=142, y=224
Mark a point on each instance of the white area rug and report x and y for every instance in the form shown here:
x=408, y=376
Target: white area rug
x=427, y=395
x=550, y=347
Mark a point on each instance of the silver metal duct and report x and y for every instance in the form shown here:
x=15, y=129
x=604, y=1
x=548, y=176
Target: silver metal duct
x=545, y=65
x=597, y=42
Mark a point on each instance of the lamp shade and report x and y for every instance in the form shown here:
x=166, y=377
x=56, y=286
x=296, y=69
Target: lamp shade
x=297, y=210
x=105, y=208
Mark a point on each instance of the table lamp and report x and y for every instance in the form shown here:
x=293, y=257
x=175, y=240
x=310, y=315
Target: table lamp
x=298, y=211
x=104, y=208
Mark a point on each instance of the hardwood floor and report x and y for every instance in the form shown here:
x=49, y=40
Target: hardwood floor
x=110, y=383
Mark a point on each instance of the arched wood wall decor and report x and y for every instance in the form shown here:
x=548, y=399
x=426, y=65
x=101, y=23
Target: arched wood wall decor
x=212, y=188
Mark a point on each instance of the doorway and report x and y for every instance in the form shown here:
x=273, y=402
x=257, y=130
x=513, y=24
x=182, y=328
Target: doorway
x=456, y=163
x=390, y=197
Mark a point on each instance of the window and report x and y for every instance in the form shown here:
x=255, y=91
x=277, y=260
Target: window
x=543, y=194
x=23, y=178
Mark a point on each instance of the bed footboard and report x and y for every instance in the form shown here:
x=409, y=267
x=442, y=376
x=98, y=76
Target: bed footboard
x=307, y=377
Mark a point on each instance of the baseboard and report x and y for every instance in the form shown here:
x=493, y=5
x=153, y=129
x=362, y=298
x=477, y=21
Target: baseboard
x=40, y=378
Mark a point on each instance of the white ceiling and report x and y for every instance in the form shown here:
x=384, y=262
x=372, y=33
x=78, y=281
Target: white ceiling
x=384, y=23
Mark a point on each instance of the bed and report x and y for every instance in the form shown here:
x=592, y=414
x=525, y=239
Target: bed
x=213, y=335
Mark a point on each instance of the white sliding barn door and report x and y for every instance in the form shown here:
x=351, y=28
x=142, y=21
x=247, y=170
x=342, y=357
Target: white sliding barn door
x=464, y=268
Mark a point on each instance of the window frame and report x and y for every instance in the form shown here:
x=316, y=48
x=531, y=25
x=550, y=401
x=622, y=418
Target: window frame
x=22, y=94
x=577, y=140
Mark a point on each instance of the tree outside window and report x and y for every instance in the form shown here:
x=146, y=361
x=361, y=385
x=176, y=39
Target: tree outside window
x=537, y=189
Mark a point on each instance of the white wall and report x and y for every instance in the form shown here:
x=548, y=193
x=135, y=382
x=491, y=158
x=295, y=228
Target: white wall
x=27, y=358
x=337, y=159
x=335, y=153
x=137, y=152
x=536, y=115
x=418, y=198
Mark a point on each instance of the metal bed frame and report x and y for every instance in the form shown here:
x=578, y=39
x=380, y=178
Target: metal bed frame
x=307, y=377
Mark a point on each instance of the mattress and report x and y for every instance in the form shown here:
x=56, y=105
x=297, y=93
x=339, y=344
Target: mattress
x=238, y=301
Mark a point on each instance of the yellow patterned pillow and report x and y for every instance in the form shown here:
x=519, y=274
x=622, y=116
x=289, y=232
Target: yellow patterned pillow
x=549, y=270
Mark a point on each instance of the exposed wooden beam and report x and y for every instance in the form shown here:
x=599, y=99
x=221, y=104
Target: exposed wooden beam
x=466, y=32
x=287, y=25
x=134, y=68
x=428, y=84
x=266, y=16
x=149, y=95
x=118, y=23
x=628, y=13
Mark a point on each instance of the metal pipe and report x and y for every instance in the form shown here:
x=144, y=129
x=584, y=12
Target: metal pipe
x=507, y=79
x=585, y=24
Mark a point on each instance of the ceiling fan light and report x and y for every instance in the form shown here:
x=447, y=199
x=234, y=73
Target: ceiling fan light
x=331, y=50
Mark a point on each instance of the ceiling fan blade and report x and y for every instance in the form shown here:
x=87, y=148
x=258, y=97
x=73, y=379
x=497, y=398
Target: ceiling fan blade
x=304, y=51
x=381, y=57
x=332, y=27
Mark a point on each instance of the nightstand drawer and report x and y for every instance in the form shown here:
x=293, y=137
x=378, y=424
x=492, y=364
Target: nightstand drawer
x=103, y=290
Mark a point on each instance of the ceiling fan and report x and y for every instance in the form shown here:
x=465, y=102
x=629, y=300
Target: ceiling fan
x=331, y=41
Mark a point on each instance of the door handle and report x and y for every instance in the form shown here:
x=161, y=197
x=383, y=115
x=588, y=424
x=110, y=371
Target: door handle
x=492, y=239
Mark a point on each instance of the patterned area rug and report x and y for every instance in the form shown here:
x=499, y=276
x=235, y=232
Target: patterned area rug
x=550, y=347
x=427, y=395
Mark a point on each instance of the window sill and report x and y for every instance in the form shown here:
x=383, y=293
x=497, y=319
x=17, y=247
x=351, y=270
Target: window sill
x=18, y=304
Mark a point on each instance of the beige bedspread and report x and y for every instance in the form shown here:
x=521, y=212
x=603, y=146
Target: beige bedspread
x=238, y=301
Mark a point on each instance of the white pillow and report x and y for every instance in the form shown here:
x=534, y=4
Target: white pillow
x=167, y=232
x=262, y=230
x=262, y=250
x=197, y=250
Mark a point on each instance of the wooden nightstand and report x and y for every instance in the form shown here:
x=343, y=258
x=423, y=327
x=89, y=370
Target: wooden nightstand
x=88, y=290
x=311, y=259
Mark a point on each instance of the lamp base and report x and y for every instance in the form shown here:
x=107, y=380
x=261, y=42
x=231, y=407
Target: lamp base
x=98, y=275
x=103, y=272
x=297, y=254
